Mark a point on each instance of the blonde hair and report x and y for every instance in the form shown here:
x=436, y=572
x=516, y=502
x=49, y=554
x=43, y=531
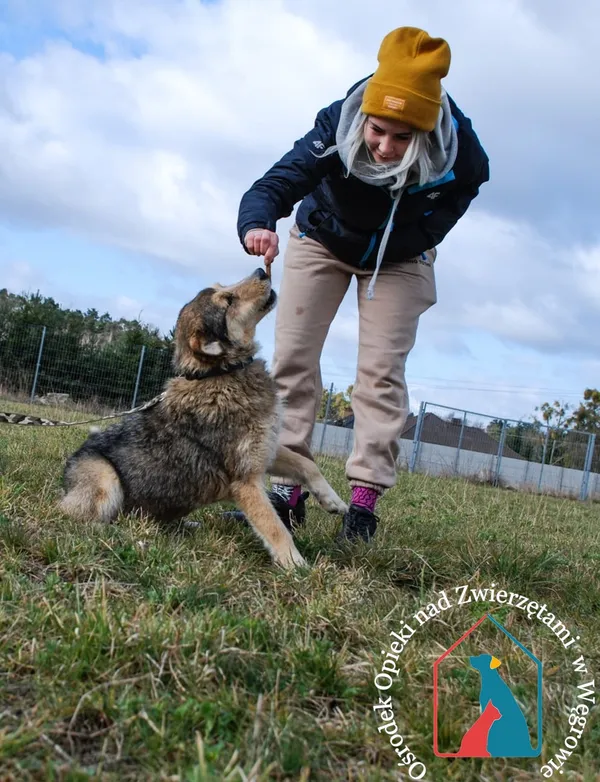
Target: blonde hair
x=415, y=164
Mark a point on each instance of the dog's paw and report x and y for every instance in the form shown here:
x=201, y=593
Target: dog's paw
x=330, y=501
x=291, y=559
x=337, y=506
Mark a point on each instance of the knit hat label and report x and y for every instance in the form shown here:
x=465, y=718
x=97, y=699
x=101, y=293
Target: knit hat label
x=395, y=104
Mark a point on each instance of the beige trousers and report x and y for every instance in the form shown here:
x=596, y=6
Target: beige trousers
x=313, y=286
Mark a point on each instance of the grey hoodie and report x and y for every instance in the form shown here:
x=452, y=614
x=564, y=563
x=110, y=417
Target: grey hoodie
x=442, y=153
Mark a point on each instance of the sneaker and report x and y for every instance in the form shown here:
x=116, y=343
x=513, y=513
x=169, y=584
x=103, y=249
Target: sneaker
x=292, y=517
x=358, y=522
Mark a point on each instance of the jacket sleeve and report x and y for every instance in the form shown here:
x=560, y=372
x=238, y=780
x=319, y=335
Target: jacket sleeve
x=275, y=194
x=433, y=228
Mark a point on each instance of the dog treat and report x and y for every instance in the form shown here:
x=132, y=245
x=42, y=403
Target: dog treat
x=268, y=270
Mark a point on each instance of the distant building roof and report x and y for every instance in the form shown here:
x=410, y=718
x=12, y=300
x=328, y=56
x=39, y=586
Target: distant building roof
x=437, y=431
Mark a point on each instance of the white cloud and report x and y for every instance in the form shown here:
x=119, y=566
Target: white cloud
x=152, y=153
x=150, y=147
x=18, y=276
x=586, y=269
x=504, y=279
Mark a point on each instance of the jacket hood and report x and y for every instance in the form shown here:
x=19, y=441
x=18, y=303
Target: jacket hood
x=444, y=140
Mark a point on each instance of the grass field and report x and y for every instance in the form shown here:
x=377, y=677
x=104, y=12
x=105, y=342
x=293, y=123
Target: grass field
x=134, y=653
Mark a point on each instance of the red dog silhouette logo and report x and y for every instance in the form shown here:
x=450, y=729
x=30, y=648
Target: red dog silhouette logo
x=500, y=729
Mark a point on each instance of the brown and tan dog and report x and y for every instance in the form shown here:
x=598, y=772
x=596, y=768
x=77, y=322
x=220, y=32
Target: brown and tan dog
x=213, y=437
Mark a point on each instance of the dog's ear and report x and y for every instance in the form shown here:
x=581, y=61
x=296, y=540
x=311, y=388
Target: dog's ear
x=200, y=345
x=212, y=348
x=222, y=295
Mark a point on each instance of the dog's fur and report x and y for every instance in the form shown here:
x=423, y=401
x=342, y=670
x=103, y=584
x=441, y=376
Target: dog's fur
x=210, y=439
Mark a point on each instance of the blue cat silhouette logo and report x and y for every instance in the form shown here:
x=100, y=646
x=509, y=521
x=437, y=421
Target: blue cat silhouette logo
x=501, y=729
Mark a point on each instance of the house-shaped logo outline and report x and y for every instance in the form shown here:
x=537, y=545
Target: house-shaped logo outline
x=449, y=651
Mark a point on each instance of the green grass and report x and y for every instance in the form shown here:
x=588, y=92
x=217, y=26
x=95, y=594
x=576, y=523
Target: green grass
x=131, y=652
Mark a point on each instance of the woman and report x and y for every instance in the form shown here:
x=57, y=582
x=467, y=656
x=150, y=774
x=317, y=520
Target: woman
x=383, y=177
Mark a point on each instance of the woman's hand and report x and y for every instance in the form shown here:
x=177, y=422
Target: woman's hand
x=260, y=241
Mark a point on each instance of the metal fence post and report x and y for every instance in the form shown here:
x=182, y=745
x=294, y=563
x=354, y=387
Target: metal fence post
x=460, y=439
x=500, y=450
x=587, y=467
x=139, y=374
x=327, y=408
x=544, y=452
x=39, y=361
x=417, y=438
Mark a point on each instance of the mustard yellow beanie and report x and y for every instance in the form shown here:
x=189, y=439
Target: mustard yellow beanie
x=407, y=83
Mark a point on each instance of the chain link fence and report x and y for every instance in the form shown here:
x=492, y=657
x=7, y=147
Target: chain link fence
x=505, y=452
x=95, y=373
x=522, y=455
x=99, y=374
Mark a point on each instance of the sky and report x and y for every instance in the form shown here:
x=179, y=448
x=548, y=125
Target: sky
x=130, y=132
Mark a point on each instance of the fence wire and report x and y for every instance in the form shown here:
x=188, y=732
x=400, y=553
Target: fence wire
x=91, y=372
x=522, y=455
x=97, y=372
x=505, y=452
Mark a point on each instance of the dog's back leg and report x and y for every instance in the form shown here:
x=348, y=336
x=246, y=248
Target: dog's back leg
x=298, y=468
x=254, y=502
x=94, y=491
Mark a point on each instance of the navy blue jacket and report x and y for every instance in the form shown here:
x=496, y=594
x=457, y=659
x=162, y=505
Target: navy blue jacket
x=347, y=215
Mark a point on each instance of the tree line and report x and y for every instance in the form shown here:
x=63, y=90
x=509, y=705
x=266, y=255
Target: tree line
x=88, y=355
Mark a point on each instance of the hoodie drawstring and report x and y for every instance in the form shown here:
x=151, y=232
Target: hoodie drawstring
x=382, y=246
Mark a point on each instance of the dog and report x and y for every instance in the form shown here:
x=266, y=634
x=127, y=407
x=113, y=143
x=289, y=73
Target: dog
x=213, y=436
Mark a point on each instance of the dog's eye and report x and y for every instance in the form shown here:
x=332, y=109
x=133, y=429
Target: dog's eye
x=229, y=298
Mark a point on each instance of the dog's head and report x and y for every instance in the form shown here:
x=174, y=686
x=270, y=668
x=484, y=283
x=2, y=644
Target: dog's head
x=485, y=662
x=217, y=327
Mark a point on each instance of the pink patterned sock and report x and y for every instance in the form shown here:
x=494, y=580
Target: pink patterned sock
x=289, y=493
x=365, y=497
x=295, y=496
